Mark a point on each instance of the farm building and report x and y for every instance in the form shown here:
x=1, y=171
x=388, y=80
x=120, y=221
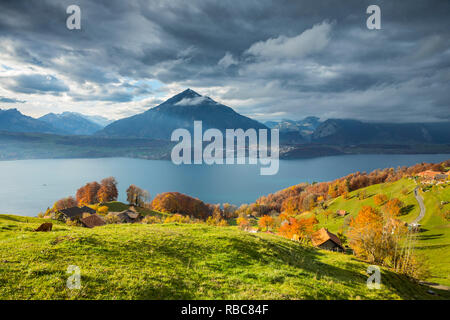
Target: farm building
x=341, y=213
x=127, y=216
x=92, y=221
x=75, y=213
x=326, y=240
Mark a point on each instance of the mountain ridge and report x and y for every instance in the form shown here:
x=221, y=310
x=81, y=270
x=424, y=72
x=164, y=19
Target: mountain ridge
x=12, y=120
x=71, y=123
x=350, y=131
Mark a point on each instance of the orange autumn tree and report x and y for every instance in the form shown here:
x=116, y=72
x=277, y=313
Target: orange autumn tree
x=108, y=190
x=379, y=199
x=298, y=229
x=64, y=203
x=266, y=223
x=393, y=207
x=137, y=196
x=88, y=193
x=175, y=202
x=243, y=223
x=290, y=206
x=375, y=236
x=328, y=214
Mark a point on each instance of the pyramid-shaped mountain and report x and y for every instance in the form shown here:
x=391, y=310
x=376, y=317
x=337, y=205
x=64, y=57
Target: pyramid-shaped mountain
x=180, y=111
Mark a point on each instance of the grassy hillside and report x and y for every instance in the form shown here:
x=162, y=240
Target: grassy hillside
x=170, y=261
x=433, y=243
x=391, y=190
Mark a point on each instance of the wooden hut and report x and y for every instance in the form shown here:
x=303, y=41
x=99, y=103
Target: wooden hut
x=127, y=216
x=326, y=240
x=94, y=220
x=75, y=213
x=341, y=213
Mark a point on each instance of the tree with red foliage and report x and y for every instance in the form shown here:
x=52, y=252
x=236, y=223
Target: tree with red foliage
x=88, y=193
x=137, y=196
x=64, y=203
x=108, y=190
x=175, y=202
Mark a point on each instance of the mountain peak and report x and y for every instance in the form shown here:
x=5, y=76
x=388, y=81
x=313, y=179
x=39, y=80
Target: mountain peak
x=186, y=98
x=190, y=92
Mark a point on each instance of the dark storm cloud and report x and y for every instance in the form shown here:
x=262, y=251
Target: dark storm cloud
x=9, y=100
x=285, y=58
x=34, y=84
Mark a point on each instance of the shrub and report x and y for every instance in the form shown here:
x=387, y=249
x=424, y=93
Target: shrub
x=112, y=219
x=103, y=210
x=446, y=215
x=72, y=223
x=328, y=214
x=151, y=220
x=243, y=223
x=178, y=218
x=222, y=223
x=362, y=195
x=216, y=221
x=93, y=206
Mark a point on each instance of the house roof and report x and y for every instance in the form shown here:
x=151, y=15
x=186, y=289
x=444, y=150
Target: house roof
x=127, y=215
x=133, y=215
x=432, y=174
x=92, y=221
x=323, y=235
x=76, y=211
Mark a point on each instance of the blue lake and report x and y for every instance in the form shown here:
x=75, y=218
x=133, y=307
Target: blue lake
x=30, y=186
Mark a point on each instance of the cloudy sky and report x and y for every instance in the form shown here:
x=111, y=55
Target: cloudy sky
x=266, y=59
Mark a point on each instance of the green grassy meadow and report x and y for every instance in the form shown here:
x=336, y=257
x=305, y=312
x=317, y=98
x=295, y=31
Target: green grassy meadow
x=180, y=261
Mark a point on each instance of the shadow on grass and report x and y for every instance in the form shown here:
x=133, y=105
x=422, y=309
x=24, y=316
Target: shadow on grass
x=406, y=209
x=430, y=236
x=18, y=219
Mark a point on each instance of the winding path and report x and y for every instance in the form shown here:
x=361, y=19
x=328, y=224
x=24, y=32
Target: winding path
x=421, y=205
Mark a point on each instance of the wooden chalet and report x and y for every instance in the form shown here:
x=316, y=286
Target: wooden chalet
x=76, y=213
x=127, y=216
x=326, y=240
x=341, y=213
